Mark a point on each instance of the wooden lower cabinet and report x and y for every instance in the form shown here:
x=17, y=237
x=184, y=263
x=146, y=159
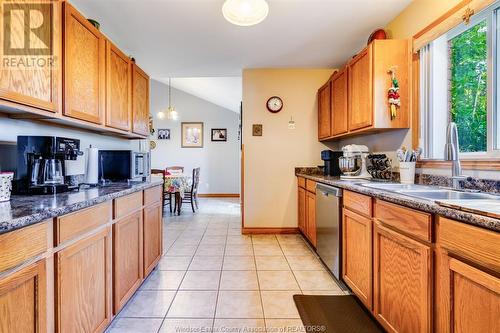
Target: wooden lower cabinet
x=153, y=235
x=402, y=282
x=83, y=285
x=302, y=210
x=127, y=259
x=23, y=300
x=311, y=217
x=357, y=255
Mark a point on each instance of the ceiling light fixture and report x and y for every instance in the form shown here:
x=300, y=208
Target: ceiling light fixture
x=171, y=113
x=245, y=12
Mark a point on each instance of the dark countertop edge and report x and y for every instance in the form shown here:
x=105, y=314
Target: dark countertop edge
x=410, y=202
x=31, y=219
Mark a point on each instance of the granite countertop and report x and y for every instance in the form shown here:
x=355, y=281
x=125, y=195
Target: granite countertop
x=415, y=203
x=24, y=210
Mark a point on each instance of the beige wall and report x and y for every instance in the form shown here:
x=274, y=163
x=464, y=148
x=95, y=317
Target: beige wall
x=270, y=186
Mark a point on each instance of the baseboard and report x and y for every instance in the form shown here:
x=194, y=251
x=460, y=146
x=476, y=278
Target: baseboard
x=219, y=195
x=256, y=231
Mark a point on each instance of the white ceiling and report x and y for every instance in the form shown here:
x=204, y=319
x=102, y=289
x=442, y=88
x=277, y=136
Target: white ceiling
x=190, y=38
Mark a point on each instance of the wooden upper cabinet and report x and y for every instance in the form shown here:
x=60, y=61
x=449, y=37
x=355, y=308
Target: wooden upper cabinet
x=84, y=68
x=83, y=285
x=324, y=107
x=339, y=103
x=35, y=86
x=23, y=302
x=153, y=236
x=360, y=90
x=402, y=282
x=118, y=87
x=140, y=101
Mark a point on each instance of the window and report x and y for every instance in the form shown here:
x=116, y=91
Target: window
x=458, y=82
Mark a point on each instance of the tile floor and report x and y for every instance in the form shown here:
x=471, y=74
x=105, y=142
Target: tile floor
x=213, y=279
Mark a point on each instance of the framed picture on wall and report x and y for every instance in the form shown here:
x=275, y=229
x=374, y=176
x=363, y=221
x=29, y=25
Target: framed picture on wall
x=164, y=134
x=192, y=135
x=219, y=134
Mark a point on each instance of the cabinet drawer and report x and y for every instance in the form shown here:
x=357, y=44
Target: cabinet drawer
x=473, y=243
x=302, y=182
x=359, y=203
x=127, y=204
x=20, y=245
x=409, y=221
x=311, y=185
x=71, y=225
x=152, y=195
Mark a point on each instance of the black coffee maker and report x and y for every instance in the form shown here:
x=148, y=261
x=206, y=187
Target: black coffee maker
x=331, y=159
x=41, y=164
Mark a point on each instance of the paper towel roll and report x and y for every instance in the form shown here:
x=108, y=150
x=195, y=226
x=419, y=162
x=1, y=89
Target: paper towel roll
x=92, y=169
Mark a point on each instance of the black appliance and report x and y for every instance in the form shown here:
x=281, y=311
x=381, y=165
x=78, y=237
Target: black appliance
x=123, y=165
x=41, y=164
x=331, y=159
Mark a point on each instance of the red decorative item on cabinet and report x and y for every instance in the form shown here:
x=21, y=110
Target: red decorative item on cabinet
x=377, y=34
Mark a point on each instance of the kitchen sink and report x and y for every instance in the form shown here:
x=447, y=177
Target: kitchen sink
x=448, y=195
x=396, y=187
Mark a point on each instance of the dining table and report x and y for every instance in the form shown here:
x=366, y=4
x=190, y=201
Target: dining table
x=177, y=184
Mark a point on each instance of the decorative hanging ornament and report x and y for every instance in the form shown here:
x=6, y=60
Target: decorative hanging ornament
x=393, y=94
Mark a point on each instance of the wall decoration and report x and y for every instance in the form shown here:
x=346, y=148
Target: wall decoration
x=192, y=134
x=393, y=94
x=274, y=104
x=164, y=134
x=151, y=126
x=152, y=144
x=219, y=134
x=257, y=129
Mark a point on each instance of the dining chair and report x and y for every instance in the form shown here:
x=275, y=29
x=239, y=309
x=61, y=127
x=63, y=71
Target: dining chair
x=191, y=196
x=165, y=194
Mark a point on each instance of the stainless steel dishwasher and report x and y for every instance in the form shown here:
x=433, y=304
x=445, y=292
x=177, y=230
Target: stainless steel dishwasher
x=328, y=227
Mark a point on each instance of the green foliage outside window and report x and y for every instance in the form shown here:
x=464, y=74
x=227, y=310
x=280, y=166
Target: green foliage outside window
x=468, y=87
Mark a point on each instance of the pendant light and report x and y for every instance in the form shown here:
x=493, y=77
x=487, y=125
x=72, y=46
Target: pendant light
x=171, y=113
x=245, y=12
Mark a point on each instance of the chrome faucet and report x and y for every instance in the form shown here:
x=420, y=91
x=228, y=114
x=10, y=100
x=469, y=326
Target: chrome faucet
x=451, y=151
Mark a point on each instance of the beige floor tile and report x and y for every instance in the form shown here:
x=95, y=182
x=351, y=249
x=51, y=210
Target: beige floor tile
x=189, y=239
x=239, y=250
x=206, y=263
x=173, y=263
x=239, y=280
x=210, y=240
x=285, y=325
x=264, y=239
x=265, y=249
x=186, y=325
x=193, y=304
x=315, y=280
x=181, y=250
x=279, y=304
x=295, y=249
x=148, y=304
x=201, y=280
x=239, y=304
x=216, y=231
x=290, y=239
x=239, y=239
x=305, y=263
x=210, y=250
x=135, y=325
x=325, y=292
x=239, y=325
x=239, y=263
x=277, y=280
x=272, y=263
x=234, y=230
x=163, y=280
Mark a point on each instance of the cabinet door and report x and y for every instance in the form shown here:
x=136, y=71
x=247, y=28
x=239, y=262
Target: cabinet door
x=118, y=97
x=302, y=210
x=311, y=217
x=83, y=280
x=360, y=91
x=84, y=68
x=402, y=287
x=37, y=85
x=127, y=258
x=357, y=255
x=153, y=236
x=339, y=103
x=23, y=300
x=473, y=299
x=140, y=101
x=324, y=100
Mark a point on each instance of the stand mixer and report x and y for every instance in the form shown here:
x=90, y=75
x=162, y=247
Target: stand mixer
x=353, y=163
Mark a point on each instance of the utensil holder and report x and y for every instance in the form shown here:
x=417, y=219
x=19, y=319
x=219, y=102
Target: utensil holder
x=407, y=172
x=5, y=185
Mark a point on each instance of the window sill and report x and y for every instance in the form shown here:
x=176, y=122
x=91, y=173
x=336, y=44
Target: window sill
x=492, y=164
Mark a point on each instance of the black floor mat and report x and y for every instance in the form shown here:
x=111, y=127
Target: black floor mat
x=334, y=314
